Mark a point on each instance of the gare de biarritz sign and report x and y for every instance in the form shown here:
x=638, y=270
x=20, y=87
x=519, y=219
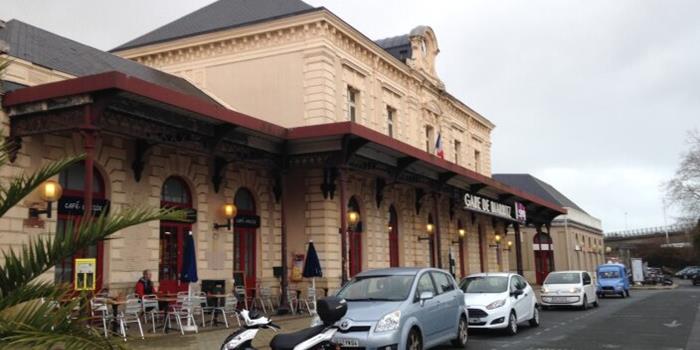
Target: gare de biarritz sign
x=487, y=206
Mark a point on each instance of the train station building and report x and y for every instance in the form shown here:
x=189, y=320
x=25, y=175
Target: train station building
x=314, y=131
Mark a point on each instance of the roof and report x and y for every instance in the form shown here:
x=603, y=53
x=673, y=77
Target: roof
x=371, y=142
x=222, y=14
x=539, y=188
x=7, y=86
x=398, y=46
x=53, y=51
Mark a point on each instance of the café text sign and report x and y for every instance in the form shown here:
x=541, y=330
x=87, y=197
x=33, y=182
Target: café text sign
x=487, y=206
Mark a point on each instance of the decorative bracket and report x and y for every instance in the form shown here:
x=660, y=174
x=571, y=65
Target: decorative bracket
x=475, y=188
x=351, y=146
x=218, y=174
x=141, y=147
x=14, y=144
x=402, y=164
x=328, y=185
x=379, y=186
x=220, y=134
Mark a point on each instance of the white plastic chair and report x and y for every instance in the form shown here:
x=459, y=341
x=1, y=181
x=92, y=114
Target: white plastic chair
x=241, y=294
x=100, y=311
x=264, y=299
x=150, y=306
x=131, y=314
x=229, y=308
x=179, y=311
x=309, y=301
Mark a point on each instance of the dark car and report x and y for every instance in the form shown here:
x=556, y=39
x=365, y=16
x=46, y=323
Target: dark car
x=688, y=272
x=696, y=279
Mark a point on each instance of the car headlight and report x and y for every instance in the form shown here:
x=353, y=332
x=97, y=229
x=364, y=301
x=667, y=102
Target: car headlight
x=545, y=290
x=496, y=304
x=575, y=290
x=389, y=322
x=316, y=321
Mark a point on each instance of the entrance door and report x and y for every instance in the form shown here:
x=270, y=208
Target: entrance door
x=244, y=254
x=544, y=257
x=245, y=239
x=355, y=253
x=393, y=238
x=175, y=194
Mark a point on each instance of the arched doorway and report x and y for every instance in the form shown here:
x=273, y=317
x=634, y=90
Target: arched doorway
x=174, y=194
x=244, y=239
x=70, y=212
x=355, y=239
x=544, y=256
x=393, y=238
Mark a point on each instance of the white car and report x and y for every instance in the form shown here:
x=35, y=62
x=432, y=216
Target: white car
x=499, y=301
x=568, y=288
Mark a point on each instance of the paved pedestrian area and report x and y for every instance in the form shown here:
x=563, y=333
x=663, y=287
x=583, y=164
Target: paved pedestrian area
x=212, y=338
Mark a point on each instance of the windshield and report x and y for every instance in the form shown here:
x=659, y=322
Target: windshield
x=484, y=284
x=609, y=274
x=563, y=278
x=377, y=288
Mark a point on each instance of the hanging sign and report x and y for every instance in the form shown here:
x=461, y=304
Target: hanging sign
x=246, y=221
x=520, y=213
x=85, y=274
x=487, y=206
x=69, y=205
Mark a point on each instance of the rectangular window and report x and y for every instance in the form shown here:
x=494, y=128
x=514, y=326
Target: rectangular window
x=477, y=161
x=390, y=113
x=353, y=96
x=429, y=141
x=458, y=150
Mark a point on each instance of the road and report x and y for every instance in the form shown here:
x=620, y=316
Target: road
x=661, y=319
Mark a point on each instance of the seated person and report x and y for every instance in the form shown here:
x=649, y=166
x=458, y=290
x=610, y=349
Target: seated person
x=144, y=286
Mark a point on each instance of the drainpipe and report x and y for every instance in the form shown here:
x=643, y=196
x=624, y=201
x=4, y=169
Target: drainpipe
x=568, y=246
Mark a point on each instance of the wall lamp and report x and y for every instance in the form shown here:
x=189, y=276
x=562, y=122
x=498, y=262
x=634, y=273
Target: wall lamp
x=509, y=246
x=496, y=241
x=230, y=212
x=428, y=228
x=50, y=191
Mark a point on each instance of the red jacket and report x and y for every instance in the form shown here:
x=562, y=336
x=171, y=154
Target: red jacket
x=144, y=287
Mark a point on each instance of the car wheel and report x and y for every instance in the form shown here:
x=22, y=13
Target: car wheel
x=584, y=305
x=595, y=303
x=535, y=320
x=462, y=334
x=512, y=328
x=414, y=341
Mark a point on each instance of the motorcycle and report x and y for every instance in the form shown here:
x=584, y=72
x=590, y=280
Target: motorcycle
x=330, y=310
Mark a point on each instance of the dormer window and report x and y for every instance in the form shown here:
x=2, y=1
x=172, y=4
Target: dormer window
x=352, y=103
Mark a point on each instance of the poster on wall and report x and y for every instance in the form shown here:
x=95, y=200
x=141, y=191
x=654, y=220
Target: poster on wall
x=85, y=274
x=520, y=213
x=297, y=267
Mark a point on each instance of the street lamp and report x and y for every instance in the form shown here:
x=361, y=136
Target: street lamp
x=230, y=212
x=50, y=191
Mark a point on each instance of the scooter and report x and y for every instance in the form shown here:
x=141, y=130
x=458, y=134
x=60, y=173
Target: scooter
x=330, y=311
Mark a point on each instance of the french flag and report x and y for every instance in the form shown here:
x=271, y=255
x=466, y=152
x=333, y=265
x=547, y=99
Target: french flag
x=439, y=151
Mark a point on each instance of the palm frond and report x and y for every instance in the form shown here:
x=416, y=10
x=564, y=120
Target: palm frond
x=34, y=291
x=22, y=186
x=41, y=254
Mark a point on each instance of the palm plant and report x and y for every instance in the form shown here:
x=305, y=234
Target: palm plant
x=27, y=320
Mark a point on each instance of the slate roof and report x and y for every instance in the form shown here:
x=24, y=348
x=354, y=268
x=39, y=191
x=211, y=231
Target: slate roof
x=537, y=187
x=220, y=15
x=398, y=46
x=55, y=52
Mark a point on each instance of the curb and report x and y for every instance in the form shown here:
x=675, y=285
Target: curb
x=673, y=286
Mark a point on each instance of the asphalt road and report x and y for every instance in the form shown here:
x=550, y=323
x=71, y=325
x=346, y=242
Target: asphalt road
x=661, y=319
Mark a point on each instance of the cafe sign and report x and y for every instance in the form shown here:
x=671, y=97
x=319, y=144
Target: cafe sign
x=487, y=206
x=246, y=221
x=69, y=205
x=520, y=213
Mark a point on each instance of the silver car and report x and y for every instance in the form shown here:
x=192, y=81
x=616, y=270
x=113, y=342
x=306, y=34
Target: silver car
x=402, y=308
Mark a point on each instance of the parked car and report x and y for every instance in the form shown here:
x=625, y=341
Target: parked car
x=612, y=280
x=402, y=308
x=499, y=301
x=568, y=288
x=696, y=279
x=688, y=272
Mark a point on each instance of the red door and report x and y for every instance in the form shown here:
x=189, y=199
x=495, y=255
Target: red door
x=244, y=254
x=543, y=263
x=355, y=253
x=172, y=236
x=393, y=238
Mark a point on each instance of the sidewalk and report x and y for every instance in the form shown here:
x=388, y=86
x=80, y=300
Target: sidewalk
x=212, y=337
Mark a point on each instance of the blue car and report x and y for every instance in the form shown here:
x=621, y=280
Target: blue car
x=612, y=280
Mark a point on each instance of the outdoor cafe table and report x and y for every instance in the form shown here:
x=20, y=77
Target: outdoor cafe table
x=218, y=298
x=116, y=303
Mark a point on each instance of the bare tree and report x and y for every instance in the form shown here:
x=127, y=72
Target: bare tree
x=683, y=190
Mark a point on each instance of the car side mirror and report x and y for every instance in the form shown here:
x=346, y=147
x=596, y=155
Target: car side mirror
x=425, y=296
x=516, y=293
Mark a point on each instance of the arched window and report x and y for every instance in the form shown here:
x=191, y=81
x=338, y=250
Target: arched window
x=175, y=191
x=73, y=180
x=542, y=238
x=244, y=200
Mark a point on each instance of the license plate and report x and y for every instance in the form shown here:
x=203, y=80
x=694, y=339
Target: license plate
x=559, y=299
x=474, y=320
x=347, y=342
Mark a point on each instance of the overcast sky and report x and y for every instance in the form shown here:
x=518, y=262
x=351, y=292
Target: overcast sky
x=594, y=97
